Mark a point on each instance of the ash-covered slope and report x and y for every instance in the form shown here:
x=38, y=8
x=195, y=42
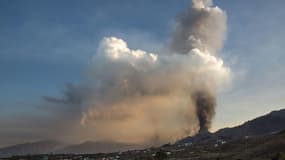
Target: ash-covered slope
x=267, y=124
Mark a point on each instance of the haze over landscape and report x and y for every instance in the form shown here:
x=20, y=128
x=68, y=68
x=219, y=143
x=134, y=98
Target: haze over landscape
x=135, y=74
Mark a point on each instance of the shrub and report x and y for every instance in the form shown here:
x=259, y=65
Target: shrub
x=279, y=156
x=160, y=155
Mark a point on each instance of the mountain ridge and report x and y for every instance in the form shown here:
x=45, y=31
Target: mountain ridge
x=39, y=147
x=266, y=124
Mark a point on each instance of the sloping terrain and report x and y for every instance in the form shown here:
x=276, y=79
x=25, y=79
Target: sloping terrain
x=267, y=124
x=264, y=147
x=270, y=123
x=258, y=136
x=31, y=148
x=97, y=147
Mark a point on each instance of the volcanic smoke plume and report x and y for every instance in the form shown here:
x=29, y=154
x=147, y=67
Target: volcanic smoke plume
x=151, y=98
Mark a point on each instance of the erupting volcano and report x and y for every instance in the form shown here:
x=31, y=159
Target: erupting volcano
x=132, y=96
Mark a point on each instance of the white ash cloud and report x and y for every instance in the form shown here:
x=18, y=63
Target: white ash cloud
x=151, y=98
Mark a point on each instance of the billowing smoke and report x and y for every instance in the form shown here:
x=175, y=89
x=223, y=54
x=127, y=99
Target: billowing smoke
x=151, y=98
x=202, y=27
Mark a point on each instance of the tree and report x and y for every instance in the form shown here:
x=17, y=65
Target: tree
x=279, y=156
x=160, y=155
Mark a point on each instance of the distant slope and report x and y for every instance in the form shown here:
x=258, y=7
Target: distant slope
x=97, y=147
x=267, y=124
x=43, y=147
x=31, y=148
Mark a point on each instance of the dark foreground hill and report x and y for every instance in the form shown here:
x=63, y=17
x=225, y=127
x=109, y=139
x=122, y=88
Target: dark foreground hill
x=268, y=124
x=262, y=147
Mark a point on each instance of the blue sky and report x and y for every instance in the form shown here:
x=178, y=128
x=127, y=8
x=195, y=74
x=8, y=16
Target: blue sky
x=46, y=44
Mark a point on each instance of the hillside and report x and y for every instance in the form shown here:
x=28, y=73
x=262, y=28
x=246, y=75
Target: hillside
x=266, y=124
x=269, y=123
x=263, y=147
x=261, y=129
x=97, y=147
x=32, y=148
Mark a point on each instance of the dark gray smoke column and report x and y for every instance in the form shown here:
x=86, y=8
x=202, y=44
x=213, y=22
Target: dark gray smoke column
x=203, y=28
x=205, y=103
